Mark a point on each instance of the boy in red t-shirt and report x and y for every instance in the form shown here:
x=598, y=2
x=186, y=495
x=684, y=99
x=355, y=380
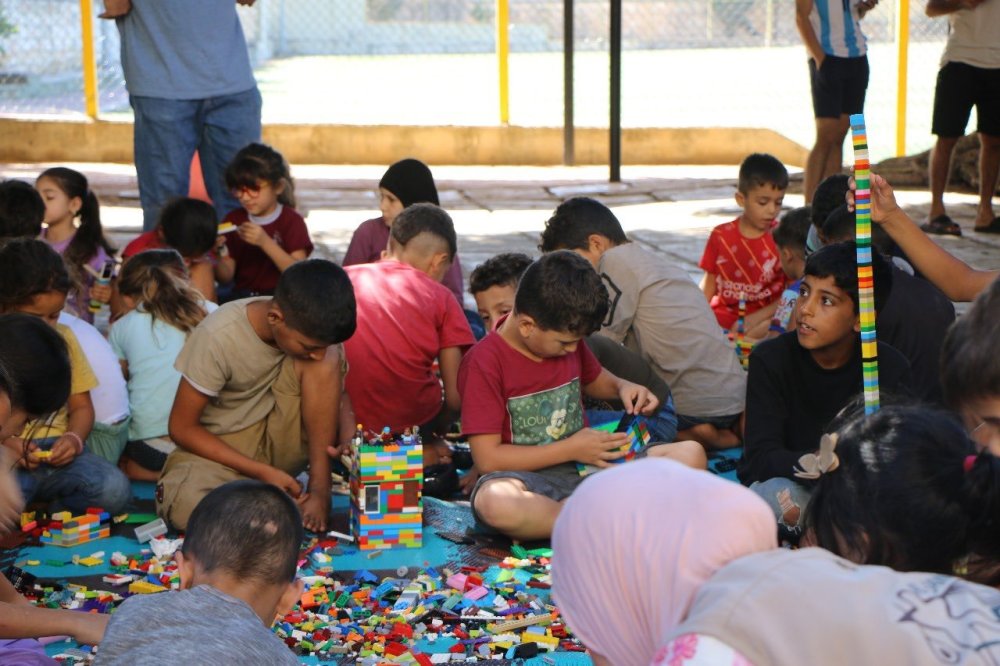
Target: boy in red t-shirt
x=741, y=261
x=521, y=390
x=406, y=320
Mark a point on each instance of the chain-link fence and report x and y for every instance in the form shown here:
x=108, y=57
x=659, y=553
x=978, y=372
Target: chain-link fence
x=686, y=63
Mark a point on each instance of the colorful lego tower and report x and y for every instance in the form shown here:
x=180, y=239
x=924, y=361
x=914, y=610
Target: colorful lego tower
x=387, y=480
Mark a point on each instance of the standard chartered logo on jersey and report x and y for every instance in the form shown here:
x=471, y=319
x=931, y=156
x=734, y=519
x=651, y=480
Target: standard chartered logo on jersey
x=546, y=416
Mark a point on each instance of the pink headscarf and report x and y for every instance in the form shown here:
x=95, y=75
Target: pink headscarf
x=633, y=545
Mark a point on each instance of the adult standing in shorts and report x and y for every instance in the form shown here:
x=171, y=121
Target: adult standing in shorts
x=969, y=77
x=838, y=71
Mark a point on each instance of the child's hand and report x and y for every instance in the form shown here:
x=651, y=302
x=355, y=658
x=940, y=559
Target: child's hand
x=64, y=451
x=468, y=480
x=637, y=398
x=27, y=458
x=116, y=8
x=594, y=447
x=90, y=627
x=276, y=477
x=315, y=509
x=883, y=200
x=101, y=292
x=253, y=234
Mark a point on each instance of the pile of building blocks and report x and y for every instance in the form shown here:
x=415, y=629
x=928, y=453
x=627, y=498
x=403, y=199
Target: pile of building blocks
x=436, y=616
x=65, y=529
x=387, y=478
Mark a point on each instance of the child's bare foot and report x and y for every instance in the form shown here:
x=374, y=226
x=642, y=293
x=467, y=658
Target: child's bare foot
x=710, y=437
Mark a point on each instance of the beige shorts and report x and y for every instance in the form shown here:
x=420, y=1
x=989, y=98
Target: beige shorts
x=279, y=440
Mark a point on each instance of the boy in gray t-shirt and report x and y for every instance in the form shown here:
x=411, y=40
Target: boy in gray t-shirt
x=659, y=312
x=237, y=569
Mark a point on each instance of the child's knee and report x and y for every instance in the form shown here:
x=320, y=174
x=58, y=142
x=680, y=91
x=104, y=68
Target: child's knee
x=688, y=452
x=493, y=503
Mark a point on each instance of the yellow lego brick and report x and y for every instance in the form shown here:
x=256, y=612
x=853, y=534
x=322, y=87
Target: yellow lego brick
x=142, y=587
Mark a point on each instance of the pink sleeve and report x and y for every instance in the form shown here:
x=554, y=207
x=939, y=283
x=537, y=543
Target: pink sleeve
x=698, y=650
x=454, y=329
x=711, y=252
x=296, y=236
x=590, y=367
x=483, y=404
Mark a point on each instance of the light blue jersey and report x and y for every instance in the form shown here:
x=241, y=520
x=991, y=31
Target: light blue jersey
x=837, y=25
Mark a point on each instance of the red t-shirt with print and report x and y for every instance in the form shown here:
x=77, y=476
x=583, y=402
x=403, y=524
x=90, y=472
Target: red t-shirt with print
x=528, y=402
x=742, y=266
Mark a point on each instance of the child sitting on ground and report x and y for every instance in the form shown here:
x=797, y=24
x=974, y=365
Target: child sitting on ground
x=800, y=380
x=494, y=283
x=658, y=311
x=790, y=239
x=68, y=196
x=34, y=381
x=521, y=392
x=406, y=320
x=270, y=234
x=970, y=369
x=237, y=568
x=740, y=260
x=404, y=183
x=916, y=315
x=163, y=310
x=33, y=280
x=190, y=227
x=260, y=393
x=909, y=492
x=21, y=210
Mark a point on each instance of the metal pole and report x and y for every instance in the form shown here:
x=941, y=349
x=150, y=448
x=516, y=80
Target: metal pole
x=615, y=147
x=503, y=51
x=902, y=61
x=89, y=63
x=569, y=149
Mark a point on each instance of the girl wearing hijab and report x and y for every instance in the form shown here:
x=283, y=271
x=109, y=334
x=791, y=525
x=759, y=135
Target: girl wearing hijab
x=655, y=563
x=634, y=544
x=405, y=183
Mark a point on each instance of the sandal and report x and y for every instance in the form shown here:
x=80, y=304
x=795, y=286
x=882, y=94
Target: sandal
x=942, y=225
x=992, y=228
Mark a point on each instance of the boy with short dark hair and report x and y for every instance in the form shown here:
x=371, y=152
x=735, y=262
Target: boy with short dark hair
x=255, y=374
x=970, y=369
x=406, y=320
x=21, y=210
x=494, y=284
x=658, y=311
x=740, y=259
x=800, y=380
x=521, y=392
x=237, y=568
x=790, y=239
x=830, y=195
x=916, y=316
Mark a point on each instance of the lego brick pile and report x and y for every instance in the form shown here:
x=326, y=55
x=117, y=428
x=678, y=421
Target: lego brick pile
x=494, y=613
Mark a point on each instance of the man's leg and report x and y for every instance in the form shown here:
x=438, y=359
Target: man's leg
x=825, y=152
x=938, y=170
x=165, y=137
x=506, y=505
x=989, y=169
x=230, y=123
